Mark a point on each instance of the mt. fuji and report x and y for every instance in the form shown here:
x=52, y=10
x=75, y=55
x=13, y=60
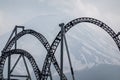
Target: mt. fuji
x=92, y=50
x=89, y=45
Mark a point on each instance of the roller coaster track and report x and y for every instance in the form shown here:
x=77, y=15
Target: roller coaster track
x=39, y=36
x=50, y=58
x=22, y=53
x=67, y=27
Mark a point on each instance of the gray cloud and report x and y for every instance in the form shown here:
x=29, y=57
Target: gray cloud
x=20, y=11
x=45, y=15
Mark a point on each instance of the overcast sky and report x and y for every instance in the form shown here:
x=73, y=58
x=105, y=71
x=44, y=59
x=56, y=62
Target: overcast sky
x=22, y=12
x=19, y=12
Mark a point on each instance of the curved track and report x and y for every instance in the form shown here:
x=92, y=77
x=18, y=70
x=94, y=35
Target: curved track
x=23, y=53
x=51, y=49
x=67, y=27
x=39, y=36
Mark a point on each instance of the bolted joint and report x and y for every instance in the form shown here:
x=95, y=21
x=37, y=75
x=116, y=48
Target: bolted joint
x=22, y=27
x=118, y=34
x=61, y=24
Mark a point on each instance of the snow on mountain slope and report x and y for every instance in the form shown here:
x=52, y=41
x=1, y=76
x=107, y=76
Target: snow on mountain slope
x=99, y=72
x=89, y=45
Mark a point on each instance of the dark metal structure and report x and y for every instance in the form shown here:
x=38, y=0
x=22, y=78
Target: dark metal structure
x=67, y=27
x=11, y=49
x=12, y=42
x=23, y=54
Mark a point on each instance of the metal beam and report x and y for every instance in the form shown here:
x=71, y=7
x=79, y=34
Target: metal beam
x=15, y=64
x=26, y=68
x=19, y=75
x=9, y=66
x=62, y=49
x=72, y=72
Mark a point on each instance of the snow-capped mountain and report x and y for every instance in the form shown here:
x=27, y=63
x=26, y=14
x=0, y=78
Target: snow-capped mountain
x=88, y=44
x=99, y=72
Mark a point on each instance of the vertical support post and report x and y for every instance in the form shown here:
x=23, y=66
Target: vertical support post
x=9, y=66
x=29, y=77
x=15, y=35
x=9, y=58
x=62, y=43
x=50, y=74
x=14, y=32
x=72, y=72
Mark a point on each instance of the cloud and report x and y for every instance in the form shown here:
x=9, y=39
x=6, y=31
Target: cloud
x=1, y=17
x=1, y=23
x=18, y=14
x=75, y=8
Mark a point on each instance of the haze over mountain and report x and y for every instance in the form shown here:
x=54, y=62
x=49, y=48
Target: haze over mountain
x=99, y=72
x=89, y=45
x=92, y=50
